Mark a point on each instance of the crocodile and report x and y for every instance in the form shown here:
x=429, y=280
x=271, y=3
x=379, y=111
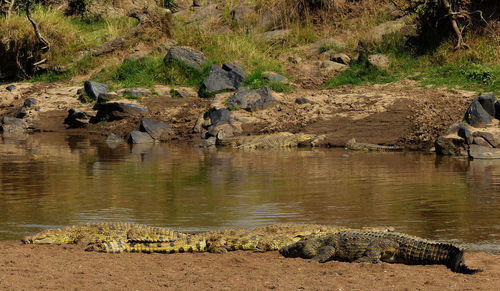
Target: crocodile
x=273, y=140
x=101, y=232
x=353, y=145
x=267, y=238
x=370, y=246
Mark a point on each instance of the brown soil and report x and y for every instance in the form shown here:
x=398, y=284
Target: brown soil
x=69, y=267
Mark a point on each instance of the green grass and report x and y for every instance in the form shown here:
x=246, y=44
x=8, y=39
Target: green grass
x=147, y=72
x=477, y=69
x=257, y=80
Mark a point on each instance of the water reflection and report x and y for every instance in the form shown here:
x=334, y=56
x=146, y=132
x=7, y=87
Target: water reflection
x=51, y=180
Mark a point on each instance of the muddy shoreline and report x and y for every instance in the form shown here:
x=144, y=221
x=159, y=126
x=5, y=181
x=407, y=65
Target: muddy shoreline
x=69, y=267
x=401, y=114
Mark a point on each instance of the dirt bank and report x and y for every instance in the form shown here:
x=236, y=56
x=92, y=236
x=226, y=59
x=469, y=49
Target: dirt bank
x=400, y=113
x=69, y=267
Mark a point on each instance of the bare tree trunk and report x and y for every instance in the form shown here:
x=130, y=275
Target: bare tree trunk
x=12, y=2
x=453, y=19
x=35, y=27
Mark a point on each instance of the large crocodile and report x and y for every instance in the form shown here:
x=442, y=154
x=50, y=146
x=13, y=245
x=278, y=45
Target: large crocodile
x=267, y=238
x=101, y=232
x=353, y=145
x=273, y=140
x=370, y=246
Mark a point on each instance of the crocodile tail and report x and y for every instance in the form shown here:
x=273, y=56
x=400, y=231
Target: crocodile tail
x=456, y=263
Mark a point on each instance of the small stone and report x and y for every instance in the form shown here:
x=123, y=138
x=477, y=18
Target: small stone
x=113, y=138
x=29, y=102
x=340, y=58
x=10, y=88
x=379, y=61
x=303, y=100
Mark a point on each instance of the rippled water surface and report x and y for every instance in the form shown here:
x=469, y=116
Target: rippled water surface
x=49, y=180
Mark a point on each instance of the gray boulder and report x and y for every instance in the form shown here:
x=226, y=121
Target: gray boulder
x=275, y=36
x=490, y=138
x=340, y=58
x=275, y=77
x=476, y=115
x=220, y=116
x=252, y=100
x=13, y=125
x=379, y=61
x=117, y=110
x=451, y=145
x=481, y=152
x=77, y=119
x=94, y=89
x=487, y=101
x=188, y=56
x=140, y=137
x=28, y=102
x=227, y=78
x=156, y=129
x=235, y=74
x=135, y=92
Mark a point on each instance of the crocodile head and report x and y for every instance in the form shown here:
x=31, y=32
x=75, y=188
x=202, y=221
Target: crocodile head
x=50, y=236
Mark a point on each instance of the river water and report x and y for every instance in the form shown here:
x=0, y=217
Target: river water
x=52, y=180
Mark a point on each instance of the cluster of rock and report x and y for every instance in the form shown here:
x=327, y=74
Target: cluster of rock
x=478, y=135
x=18, y=124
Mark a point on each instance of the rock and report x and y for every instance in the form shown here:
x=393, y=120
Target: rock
x=28, y=102
x=340, y=58
x=217, y=81
x=180, y=93
x=94, y=89
x=476, y=115
x=156, y=129
x=104, y=98
x=490, y=138
x=252, y=100
x=487, y=101
x=137, y=57
x=303, y=100
x=275, y=77
x=379, y=61
x=188, y=56
x=220, y=116
x=464, y=132
x=480, y=152
x=404, y=26
x=235, y=74
x=13, y=125
x=135, y=92
x=329, y=66
x=241, y=15
x=113, y=138
x=482, y=142
x=497, y=109
x=116, y=111
x=221, y=131
x=140, y=137
x=10, y=88
x=325, y=45
x=209, y=142
x=165, y=46
x=275, y=36
x=451, y=145
x=76, y=119
x=21, y=112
